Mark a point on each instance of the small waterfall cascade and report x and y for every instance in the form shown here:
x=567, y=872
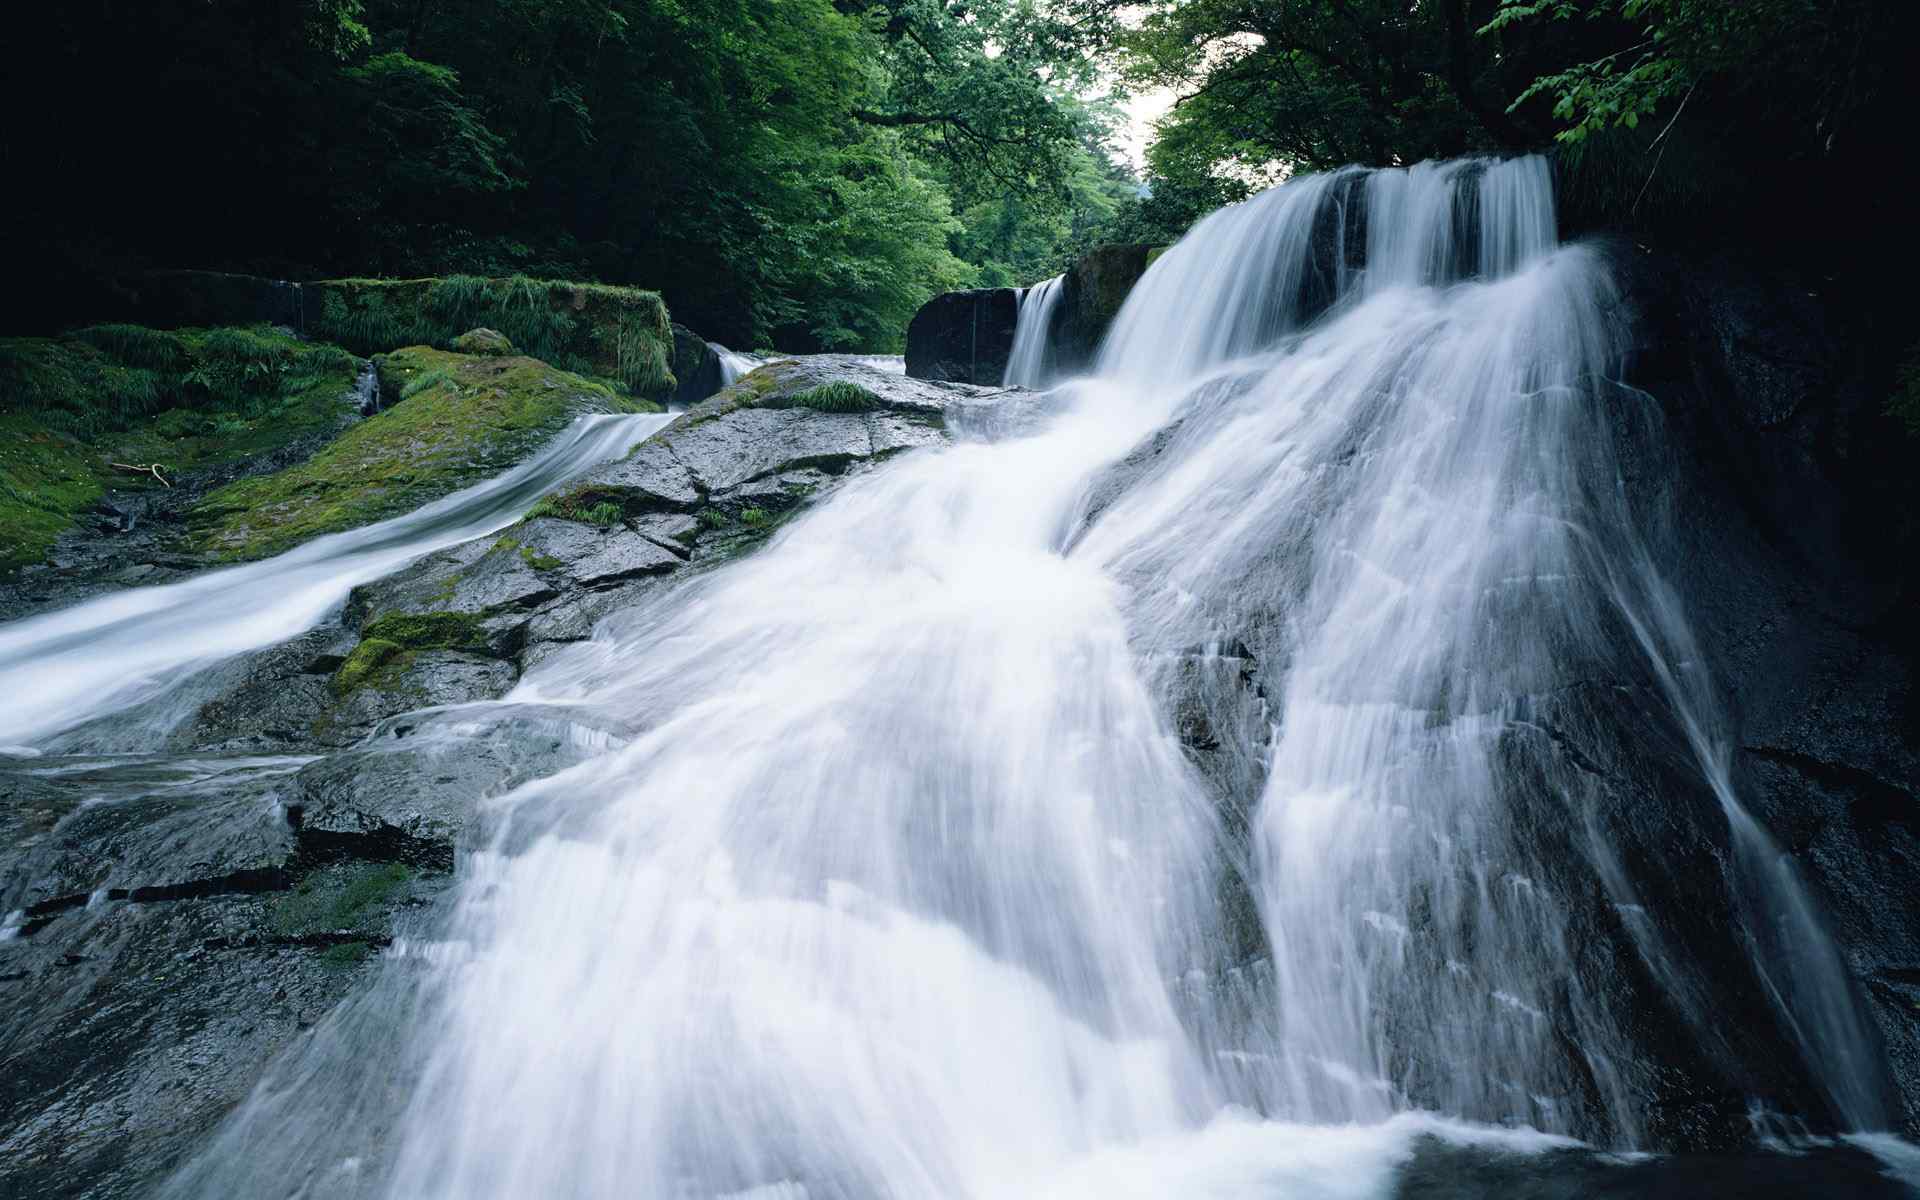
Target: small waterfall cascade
x=1030, y=363
x=733, y=363
x=104, y=656
x=1283, y=751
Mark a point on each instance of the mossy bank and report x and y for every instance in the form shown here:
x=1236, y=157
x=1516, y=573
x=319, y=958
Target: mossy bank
x=190, y=401
x=459, y=419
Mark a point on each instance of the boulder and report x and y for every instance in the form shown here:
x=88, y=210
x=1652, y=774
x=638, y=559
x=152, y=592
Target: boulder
x=695, y=366
x=1090, y=298
x=963, y=337
x=485, y=341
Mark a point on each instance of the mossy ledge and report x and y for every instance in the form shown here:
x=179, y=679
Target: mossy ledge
x=618, y=333
x=471, y=417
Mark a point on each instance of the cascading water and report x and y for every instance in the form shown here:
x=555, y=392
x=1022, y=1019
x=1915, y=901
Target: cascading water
x=910, y=888
x=1030, y=363
x=106, y=655
x=733, y=363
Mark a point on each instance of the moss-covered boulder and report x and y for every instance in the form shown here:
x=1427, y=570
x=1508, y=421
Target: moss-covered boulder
x=456, y=419
x=616, y=333
x=483, y=341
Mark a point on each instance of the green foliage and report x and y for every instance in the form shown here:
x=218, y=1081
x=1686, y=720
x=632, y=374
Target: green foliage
x=839, y=397
x=786, y=172
x=136, y=346
x=595, y=329
x=586, y=507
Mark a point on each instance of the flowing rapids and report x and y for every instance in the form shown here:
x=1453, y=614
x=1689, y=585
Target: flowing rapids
x=143, y=646
x=910, y=887
x=1030, y=363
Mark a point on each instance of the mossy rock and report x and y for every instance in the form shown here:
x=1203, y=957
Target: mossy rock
x=365, y=663
x=618, y=333
x=470, y=417
x=483, y=341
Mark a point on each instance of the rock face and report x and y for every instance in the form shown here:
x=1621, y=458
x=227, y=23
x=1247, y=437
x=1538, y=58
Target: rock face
x=968, y=336
x=964, y=337
x=1091, y=296
x=695, y=366
x=1801, y=590
x=168, y=925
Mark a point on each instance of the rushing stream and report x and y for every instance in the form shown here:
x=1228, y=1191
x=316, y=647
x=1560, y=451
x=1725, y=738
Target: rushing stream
x=101, y=657
x=909, y=888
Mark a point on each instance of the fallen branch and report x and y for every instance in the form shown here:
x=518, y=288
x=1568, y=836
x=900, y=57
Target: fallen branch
x=152, y=469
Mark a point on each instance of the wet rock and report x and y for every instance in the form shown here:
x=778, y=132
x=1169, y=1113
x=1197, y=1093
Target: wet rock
x=428, y=775
x=1090, y=298
x=695, y=366
x=651, y=477
x=415, y=680
x=963, y=337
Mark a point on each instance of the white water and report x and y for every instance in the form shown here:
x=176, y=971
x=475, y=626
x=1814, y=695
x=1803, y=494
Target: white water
x=734, y=363
x=909, y=889
x=104, y=655
x=1030, y=363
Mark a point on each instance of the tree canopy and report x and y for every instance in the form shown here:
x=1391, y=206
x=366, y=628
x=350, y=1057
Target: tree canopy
x=806, y=172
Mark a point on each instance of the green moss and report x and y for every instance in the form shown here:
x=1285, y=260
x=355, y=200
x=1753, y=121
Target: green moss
x=352, y=897
x=755, y=518
x=539, y=562
x=45, y=478
x=367, y=659
x=427, y=379
x=72, y=406
x=483, y=416
x=428, y=631
x=591, y=329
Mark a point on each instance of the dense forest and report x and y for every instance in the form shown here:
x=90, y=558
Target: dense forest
x=807, y=172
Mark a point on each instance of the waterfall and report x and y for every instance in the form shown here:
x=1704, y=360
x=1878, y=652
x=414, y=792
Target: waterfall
x=106, y=655
x=1030, y=364
x=733, y=364
x=1282, y=752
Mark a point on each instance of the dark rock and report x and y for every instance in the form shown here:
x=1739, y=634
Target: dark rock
x=963, y=337
x=1090, y=298
x=695, y=366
